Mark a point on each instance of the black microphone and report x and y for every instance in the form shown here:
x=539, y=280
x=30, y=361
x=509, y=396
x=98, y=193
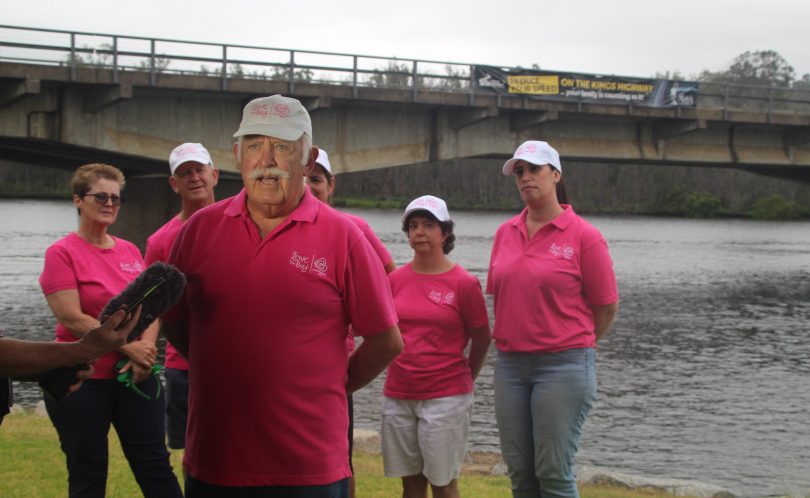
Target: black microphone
x=156, y=289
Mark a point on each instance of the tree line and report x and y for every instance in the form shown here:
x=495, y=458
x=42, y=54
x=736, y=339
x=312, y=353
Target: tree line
x=757, y=67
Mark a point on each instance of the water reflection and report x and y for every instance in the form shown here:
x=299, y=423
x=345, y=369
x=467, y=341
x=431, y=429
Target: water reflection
x=703, y=377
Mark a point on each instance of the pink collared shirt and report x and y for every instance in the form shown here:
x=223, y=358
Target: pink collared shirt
x=97, y=274
x=267, y=320
x=544, y=287
x=435, y=314
x=379, y=248
x=158, y=247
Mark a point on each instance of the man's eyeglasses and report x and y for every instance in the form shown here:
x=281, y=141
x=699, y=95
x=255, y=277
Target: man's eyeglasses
x=102, y=198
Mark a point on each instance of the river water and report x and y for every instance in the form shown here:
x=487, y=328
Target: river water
x=705, y=375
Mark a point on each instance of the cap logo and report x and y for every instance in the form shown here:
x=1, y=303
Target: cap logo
x=526, y=149
x=186, y=150
x=426, y=202
x=264, y=111
x=260, y=110
x=281, y=110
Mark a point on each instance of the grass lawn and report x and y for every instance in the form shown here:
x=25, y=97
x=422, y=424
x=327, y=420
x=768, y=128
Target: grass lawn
x=33, y=466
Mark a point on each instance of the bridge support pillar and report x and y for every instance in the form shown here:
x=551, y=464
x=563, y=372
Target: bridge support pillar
x=10, y=93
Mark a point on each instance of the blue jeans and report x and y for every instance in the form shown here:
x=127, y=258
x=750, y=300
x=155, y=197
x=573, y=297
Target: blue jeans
x=83, y=420
x=176, y=407
x=199, y=489
x=541, y=403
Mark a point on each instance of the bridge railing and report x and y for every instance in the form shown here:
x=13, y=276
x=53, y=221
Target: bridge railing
x=159, y=56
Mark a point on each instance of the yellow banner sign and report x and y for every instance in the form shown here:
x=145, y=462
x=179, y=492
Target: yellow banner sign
x=534, y=84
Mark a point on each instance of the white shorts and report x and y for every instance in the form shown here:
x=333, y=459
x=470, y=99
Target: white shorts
x=426, y=437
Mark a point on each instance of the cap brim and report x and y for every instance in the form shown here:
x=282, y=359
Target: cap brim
x=197, y=158
x=282, y=132
x=427, y=210
x=509, y=166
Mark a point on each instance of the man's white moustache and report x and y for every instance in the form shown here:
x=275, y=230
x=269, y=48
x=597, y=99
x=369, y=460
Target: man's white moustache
x=266, y=172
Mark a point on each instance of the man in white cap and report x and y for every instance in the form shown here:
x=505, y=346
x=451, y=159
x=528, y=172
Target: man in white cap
x=275, y=278
x=321, y=183
x=193, y=177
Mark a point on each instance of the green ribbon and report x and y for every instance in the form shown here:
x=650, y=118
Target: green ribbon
x=128, y=381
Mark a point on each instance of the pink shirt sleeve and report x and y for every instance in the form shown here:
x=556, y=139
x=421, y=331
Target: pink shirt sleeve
x=473, y=305
x=152, y=253
x=58, y=272
x=377, y=245
x=496, y=243
x=178, y=312
x=598, y=277
x=367, y=295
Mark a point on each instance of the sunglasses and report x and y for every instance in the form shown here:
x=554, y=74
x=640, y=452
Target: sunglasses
x=102, y=198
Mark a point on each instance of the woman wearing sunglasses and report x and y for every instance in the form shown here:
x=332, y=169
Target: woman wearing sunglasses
x=83, y=271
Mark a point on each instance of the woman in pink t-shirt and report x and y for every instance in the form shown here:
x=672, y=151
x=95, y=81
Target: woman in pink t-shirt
x=555, y=295
x=83, y=271
x=428, y=389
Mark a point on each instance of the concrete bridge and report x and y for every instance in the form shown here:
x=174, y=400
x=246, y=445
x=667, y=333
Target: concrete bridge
x=75, y=98
x=86, y=102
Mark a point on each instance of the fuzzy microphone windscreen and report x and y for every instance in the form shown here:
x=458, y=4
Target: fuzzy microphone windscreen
x=156, y=289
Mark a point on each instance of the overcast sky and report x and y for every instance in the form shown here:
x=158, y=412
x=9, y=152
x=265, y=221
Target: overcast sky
x=624, y=37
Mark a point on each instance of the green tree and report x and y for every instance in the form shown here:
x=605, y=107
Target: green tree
x=760, y=67
x=669, y=75
x=93, y=57
x=394, y=76
x=802, y=84
x=161, y=64
x=776, y=207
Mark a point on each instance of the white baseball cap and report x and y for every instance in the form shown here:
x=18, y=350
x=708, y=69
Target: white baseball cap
x=275, y=116
x=431, y=204
x=323, y=160
x=189, y=152
x=535, y=152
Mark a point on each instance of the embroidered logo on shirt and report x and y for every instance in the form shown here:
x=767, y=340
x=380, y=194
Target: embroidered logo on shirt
x=309, y=264
x=439, y=298
x=567, y=251
x=134, y=267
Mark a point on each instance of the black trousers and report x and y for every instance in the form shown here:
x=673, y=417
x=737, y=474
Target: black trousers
x=83, y=420
x=199, y=489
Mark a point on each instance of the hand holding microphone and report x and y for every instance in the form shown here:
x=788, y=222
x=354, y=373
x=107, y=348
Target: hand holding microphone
x=157, y=289
x=152, y=293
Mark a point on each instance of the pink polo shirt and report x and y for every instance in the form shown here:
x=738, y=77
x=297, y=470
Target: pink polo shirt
x=379, y=248
x=267, y=321
x=158, y=247
x=371, y=237
x=98, y=274
x=544, y=287
x=435, y=314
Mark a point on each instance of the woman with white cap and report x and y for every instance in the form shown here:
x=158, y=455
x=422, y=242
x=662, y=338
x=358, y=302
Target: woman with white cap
x=555, y=296
x=428, y=389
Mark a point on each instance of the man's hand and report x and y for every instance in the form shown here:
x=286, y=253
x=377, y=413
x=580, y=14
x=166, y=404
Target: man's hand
x=139, y=373
x=141, y=353
x=110, y=335
x=372, y=356
x=82, y=375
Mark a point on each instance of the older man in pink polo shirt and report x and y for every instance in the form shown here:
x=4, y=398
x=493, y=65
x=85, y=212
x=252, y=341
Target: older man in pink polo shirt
x=275, y=277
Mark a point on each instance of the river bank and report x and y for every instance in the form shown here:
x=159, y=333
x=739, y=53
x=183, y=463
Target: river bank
x=476, y=184
x=32, y=429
